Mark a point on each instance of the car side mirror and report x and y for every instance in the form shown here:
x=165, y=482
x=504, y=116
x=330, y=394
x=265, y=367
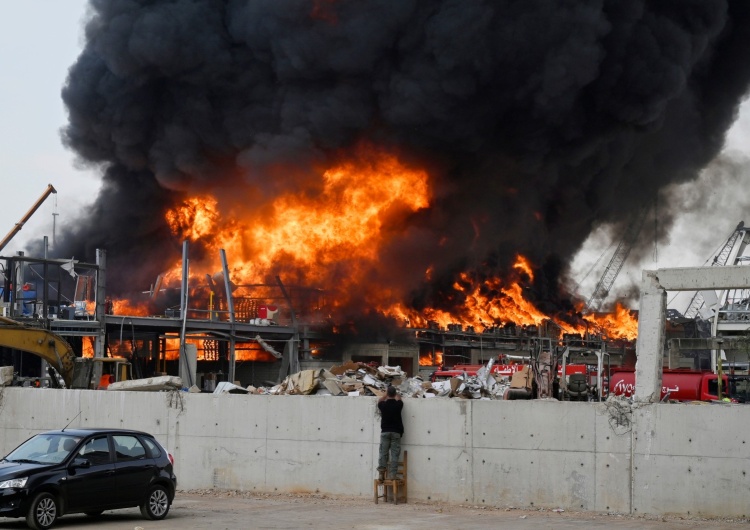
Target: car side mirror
x=80, y=462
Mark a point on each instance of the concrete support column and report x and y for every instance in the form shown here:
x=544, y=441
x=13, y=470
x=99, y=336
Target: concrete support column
x=650, y=345
x=99, y=312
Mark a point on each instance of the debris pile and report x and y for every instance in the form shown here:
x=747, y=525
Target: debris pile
x=360, y=379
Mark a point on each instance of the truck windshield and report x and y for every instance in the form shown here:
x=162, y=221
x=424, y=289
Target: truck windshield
x=739, y=388
x=713, y=387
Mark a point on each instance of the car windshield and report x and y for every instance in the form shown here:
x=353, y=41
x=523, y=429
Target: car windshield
x=44, y=449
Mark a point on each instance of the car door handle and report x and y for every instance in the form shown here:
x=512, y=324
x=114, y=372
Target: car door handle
x=110, y=472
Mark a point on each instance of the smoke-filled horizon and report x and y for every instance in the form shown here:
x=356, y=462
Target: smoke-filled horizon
x=537, y=121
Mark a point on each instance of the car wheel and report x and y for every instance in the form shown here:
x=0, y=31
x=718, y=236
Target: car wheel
x=156, y=503
x=42, y=512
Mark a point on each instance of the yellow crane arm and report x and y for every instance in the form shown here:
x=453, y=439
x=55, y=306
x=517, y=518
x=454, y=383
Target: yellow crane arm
x=49, y=346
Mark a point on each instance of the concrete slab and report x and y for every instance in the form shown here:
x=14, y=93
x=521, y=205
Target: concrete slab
x=151, y=384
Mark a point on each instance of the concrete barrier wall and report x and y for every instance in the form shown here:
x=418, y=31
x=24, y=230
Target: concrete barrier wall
x=656, y=459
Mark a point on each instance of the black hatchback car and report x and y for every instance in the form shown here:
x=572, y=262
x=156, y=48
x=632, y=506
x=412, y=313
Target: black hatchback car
x=86, y=471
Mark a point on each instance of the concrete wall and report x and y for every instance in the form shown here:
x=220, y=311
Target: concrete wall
x=657, y=458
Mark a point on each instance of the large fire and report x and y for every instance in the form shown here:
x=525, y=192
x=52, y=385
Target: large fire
x=351, y=145
x=342, y=224
x=505, y=303
x=331, y=236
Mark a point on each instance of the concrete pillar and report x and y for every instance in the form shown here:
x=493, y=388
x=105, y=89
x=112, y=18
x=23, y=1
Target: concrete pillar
x=650, y=345
x=99, y=311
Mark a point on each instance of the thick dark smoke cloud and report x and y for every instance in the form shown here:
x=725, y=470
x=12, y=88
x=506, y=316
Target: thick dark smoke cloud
x=538, y=120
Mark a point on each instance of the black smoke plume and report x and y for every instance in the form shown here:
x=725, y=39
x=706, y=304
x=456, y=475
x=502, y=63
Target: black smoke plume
x=537, y=120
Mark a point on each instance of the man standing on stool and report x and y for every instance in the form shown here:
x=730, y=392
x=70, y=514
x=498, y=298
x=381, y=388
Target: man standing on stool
x=391, y=431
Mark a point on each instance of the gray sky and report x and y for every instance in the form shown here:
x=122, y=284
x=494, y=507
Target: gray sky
x=712, y=207
x=40, y=40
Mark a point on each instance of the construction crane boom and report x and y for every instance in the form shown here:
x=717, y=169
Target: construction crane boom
x=720, y=260
x=615, y=264
x=17, y=228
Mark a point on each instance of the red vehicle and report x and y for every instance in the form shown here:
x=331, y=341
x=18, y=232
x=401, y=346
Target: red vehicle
x=581, y=382
x=680, y=385
x=502, y=369
x=472, y=369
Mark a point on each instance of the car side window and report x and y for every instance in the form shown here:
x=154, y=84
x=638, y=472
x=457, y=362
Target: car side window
x=96, y=450
x=128, y=448
x=153, y=447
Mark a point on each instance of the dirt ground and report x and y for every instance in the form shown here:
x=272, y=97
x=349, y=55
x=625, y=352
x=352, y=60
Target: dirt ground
x=240, y=510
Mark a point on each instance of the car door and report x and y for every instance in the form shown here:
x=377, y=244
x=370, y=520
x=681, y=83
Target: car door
x=91, y=486
x=134, y=468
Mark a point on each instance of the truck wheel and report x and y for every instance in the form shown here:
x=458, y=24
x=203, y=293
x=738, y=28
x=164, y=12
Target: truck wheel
x=42, y=512
x=156, y=504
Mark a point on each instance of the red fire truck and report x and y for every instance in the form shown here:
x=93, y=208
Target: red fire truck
x=677, y=384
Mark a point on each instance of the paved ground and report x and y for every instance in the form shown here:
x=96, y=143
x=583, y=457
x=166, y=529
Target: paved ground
x=203, y=509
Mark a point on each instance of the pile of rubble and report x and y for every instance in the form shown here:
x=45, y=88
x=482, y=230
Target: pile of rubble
x=359, y=379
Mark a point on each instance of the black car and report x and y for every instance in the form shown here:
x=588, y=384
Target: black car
x=86, y=471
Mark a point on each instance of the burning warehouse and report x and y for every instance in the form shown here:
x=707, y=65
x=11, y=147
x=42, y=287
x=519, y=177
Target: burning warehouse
x=383, y=172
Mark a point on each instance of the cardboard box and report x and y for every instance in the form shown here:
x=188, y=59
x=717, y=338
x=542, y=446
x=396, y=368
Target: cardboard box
x=522, y=378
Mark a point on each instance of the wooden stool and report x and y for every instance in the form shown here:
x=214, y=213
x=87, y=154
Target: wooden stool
x=397, y=486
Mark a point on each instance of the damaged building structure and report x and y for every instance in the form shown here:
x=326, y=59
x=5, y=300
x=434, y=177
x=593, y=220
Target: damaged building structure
x=255, y=340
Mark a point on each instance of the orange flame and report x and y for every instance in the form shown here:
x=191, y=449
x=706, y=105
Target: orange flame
x=344, y=223
x=429, y=359
x=496, y=302
x=196, y=218
x=621, y=324
x=523, y=265
x=128, y=307
x=485, y=304
x=206, y=350
x=331, y=233
x=88, y=347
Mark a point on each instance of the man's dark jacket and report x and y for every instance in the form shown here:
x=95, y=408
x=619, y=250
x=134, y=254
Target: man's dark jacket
x=390, y=411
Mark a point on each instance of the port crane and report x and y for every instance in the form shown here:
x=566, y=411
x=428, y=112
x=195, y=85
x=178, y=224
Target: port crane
x=615, y=264
x=728, y=254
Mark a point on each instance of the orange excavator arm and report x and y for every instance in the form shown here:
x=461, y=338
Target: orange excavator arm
x=50, y=190
x=49, y=346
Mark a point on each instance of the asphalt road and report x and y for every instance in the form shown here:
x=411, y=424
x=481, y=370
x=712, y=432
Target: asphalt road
x=196, y=510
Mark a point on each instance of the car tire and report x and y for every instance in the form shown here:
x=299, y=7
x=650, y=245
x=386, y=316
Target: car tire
x=156, y=504
x=43, y=512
